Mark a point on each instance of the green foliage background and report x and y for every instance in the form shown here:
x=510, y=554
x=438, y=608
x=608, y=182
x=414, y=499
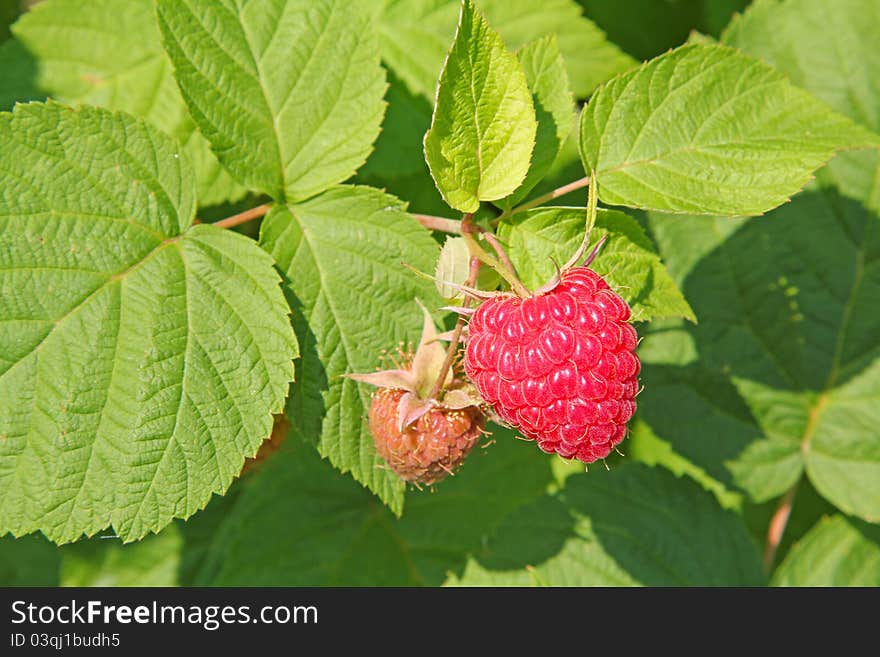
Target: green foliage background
x=761, y=349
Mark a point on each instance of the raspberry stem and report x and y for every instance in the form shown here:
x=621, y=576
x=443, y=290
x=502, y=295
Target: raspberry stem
x=441, y=224
x=580, y=183
x=243, y=217
x=502, y=254
x=452, y=351
x=592, y=207
x=503, y=266
x=446, y=225
x=776, y=529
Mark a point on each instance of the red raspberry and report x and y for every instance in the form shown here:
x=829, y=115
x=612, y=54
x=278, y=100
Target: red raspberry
x=430, y=448
x=559, y=366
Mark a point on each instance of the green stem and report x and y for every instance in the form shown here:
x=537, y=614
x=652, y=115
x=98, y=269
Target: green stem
x=502, y=254
x=452, y=351
x=441, y=224
x=592, y=207
x=446, y=225
x=778, y=523
x=580, y=183
x=468, y=232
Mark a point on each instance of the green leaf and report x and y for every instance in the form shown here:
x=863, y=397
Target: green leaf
x=788, y=371
x=554, y=110
x=340, y=255
x=109, y=54
x=360, y=542
x=28, y=561
x=634, y=525
x=151, y=562
x=838, y=551
x=842, y=452
x=416, y=36
x=141, y=357
x=289, y=93
x=830, y=49
x=538, y=240
x=750, y=139
x=483, y=129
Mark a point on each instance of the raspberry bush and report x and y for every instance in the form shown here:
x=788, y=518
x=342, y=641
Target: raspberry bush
x=653, y=254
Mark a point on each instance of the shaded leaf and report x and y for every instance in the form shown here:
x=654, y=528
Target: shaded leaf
x=28, y=561
x=554, y=109
x=634, y=525
x=787, y=327
x=360, y=542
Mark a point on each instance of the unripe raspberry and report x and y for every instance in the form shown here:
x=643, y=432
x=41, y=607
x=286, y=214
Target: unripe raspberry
x=424, y=419
x=559, y=366
x=429, y=449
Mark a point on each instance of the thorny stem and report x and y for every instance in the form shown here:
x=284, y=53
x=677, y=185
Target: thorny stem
x=452, y=351
x=243, y=217
x=778, y=523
